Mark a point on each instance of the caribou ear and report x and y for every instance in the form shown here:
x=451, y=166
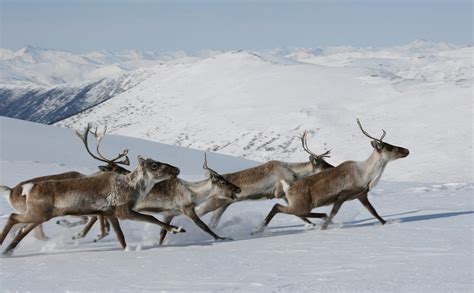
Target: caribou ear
x=376, y=145
x=141, y=160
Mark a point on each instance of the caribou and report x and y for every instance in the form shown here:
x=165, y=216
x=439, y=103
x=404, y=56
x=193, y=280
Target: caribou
x=177, y=196
x=17, y=200
x=264, y=182
x=348, y=181
x=107, y=194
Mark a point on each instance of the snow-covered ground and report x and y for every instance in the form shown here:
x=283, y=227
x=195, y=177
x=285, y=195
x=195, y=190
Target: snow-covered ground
x=426, y=247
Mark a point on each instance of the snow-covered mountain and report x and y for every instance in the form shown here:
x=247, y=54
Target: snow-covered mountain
x=254, y=104
x=48, y=105
x=45, y=85
x=33, y=66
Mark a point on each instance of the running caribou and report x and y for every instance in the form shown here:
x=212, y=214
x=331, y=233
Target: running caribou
x=17, y=200
x=108, y=194
x=264, y=181
x=177, y=196
x=347, y=181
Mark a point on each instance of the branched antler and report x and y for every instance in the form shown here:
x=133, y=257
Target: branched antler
x=98, y=137
x=305, y=147
x=84, y=137
x=368, y=135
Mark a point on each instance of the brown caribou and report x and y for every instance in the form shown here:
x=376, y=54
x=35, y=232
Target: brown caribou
x=348, y=181
x=177, y=196
x=264, y=181
x=108, y=194
x=17, y=200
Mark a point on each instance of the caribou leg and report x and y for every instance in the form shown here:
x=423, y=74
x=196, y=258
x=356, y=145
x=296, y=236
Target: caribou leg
x=19, y=237
x=163, y=232
x=308, y=222
x=118, y=231
x=103, y=227
x=132, y=215
x=86, y=228
x=191, y=213
x=365, y=201
x=216, y=217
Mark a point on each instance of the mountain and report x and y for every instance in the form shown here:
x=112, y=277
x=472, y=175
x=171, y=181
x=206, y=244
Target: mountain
x=33, y=66
x=255, y=103
x=48, y=105
x=45, y=85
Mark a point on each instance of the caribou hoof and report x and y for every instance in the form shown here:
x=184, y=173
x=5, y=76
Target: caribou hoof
x=179, y=229
x=308, y=226
x=100, y=236
x=64, y=223
x=8, y=252
x=258, y=231
x=224, y=239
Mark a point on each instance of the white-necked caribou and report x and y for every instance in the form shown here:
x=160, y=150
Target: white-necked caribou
x=347, y=181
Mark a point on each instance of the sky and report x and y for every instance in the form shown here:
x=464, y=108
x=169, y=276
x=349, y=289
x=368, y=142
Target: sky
x=87, y=25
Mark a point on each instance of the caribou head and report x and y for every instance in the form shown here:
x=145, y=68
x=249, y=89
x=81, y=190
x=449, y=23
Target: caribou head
x=317, y=161
x=221, y=186
x=388, y=151
x=112, y=164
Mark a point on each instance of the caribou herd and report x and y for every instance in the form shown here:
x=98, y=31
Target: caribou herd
x=115, y=193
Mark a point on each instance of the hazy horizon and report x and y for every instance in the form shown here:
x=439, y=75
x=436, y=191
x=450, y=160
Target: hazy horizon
x=168, y=26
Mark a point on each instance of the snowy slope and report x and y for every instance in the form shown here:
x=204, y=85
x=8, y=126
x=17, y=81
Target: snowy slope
x=255, y=104
x=427, y=247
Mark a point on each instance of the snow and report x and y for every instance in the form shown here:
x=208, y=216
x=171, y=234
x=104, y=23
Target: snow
x=34, y=66
x=426, y=247
x=255, y=104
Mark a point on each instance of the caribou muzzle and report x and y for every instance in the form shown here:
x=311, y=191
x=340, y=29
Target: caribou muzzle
x=404, y=152
x=175, y=171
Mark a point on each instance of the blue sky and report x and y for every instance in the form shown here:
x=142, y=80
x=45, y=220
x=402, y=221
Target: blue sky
x=80, y=26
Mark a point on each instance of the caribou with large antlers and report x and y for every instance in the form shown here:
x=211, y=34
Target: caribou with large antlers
x=347, y=181
x=108, y=194
x=16, y=197
x=264, y=181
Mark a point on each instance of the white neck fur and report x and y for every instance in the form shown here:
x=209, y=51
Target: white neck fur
x=372, y=168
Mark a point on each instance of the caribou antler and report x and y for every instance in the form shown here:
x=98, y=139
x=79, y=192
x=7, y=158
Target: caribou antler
x=325, y=154
x=98, y=137
x=206, y=167
x=305, y=147
x=84, y=137
x=368, y=135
